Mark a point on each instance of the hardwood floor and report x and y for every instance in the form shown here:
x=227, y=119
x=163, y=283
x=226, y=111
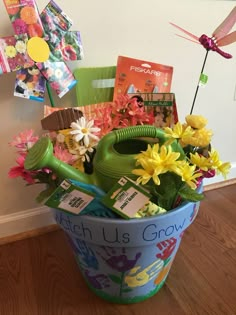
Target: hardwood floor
x=39, y=275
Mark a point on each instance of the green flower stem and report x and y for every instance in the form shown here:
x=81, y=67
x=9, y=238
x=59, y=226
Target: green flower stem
x=121, y=283
x=50, y=94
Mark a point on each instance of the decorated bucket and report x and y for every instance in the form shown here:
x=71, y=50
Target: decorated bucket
x=126, y=261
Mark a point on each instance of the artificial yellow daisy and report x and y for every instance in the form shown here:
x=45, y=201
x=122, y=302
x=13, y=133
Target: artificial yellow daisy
x=179, y=132
x=200, y=161
x=224, y=169
x=154, y=163
x=174, y=132
x=216, y=163
x=200, y=138
x=196, y=121
x=146, y=173
x=214, y=159
x=188, y=174
x=168, y=159
x=150, y=153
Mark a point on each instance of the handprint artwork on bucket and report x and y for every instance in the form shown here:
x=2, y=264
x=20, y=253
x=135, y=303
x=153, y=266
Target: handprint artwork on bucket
x=126, y=261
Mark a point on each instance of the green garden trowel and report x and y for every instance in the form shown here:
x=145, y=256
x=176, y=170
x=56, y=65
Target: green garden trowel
x=114, y=157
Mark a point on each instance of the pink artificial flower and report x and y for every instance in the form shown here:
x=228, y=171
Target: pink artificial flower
x=123, y=112
x=103, y=119
x=63, y=155
x=24, y=140
x=136, y=114
x=208, y=174
x=121, y=102
x=20, y=171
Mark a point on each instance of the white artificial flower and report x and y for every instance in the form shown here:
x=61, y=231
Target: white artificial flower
x=84, y=130
x=80, y=152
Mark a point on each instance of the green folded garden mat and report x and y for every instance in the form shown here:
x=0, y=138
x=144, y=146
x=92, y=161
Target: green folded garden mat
x=95, y=85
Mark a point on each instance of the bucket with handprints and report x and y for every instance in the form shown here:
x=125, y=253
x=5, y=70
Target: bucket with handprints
x=122, y=260
x=126, y=261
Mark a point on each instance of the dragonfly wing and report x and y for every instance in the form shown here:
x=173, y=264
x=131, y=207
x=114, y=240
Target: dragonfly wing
x=191, y=40
x=228, y=39
x=186, y=32
x=224, y=28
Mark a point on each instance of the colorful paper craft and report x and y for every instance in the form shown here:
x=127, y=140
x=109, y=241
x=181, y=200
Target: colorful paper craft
x=48, y=31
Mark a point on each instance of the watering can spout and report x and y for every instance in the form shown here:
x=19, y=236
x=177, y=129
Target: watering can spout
x=41, y=156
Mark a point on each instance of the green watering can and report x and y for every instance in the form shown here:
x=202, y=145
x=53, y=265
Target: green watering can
x=114, y=157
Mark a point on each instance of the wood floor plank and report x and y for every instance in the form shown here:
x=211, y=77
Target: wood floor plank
x=16, y=280
x=212, y=264
x=215, y=228
x=194, y=292
x=39, y=275
x=222, y=204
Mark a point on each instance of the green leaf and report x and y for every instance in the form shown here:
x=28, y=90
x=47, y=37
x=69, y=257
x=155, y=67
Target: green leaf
x=115, y=279
x=167, y=192
x=45, y=194
x=189, y=194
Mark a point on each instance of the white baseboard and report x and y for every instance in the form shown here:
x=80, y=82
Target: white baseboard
x=33, y=219
x=25, y=221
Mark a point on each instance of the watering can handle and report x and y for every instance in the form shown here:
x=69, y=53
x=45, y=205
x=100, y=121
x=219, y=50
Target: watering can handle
x=139, y=131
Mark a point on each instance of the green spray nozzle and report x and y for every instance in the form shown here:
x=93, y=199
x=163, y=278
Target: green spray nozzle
x=114, y=156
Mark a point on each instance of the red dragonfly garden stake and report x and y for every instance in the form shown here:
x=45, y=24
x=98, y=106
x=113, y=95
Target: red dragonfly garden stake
x=220, y=37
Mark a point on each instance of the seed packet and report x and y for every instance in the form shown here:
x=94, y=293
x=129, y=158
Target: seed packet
x=30, y=84
x=56, y=23
x=24, y=16
x=126, y=198
x=58, y=75
x=13, y=53
x=139, y=76
x=70, y=47
x=161, y=105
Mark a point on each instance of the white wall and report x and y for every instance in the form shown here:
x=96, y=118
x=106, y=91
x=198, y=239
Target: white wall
x=138, y=29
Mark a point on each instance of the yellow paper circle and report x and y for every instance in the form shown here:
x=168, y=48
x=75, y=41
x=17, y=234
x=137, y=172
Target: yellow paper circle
x=38, y=49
